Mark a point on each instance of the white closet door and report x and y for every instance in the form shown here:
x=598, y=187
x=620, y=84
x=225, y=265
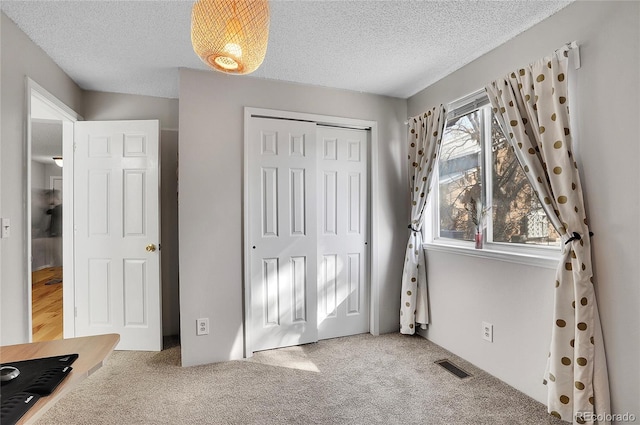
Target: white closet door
x=282, y=232
x=343, y=229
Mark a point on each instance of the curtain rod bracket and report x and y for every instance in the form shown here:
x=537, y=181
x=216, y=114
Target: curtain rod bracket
x=576, y=54
x=574, y=48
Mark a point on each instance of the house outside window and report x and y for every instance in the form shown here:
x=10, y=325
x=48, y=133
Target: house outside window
x=478, y=169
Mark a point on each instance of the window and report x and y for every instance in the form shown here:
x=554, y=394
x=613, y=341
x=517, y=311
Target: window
x=478, y=169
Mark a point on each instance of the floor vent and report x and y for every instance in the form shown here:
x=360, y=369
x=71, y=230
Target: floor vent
x=453, y=368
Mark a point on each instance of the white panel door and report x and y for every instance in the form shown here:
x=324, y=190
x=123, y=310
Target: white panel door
x=282, y=232
x=343, y=261
x=117, y=232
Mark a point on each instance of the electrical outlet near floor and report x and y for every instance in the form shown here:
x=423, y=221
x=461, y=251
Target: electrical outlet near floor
x=487, y=331
x=202, y=326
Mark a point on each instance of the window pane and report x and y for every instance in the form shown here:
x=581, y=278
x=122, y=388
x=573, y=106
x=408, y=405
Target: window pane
x=460, y=175
x=517, y=214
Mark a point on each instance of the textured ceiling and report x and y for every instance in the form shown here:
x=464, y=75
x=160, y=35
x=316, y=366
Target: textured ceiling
x=393, y=48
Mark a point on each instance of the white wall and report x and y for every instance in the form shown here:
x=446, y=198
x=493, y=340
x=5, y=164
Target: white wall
x=38, y=175
x=116, y=106
x=517, y=299
x=50, y=170
x=210, y=210
x=20, y=58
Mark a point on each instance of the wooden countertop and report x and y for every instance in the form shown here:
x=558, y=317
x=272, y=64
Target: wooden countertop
x=92, y=352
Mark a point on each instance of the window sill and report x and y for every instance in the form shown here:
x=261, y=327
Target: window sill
x=546, y=260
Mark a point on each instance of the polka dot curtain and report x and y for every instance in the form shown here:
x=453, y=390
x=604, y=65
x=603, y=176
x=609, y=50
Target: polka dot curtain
x=425, y=136
x=532, y=106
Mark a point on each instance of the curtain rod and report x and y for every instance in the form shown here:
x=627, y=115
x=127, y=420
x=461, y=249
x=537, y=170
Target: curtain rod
x=571, y=45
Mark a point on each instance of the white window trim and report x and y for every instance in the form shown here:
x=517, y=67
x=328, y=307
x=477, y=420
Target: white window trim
x=539, y=256
x=548, y=260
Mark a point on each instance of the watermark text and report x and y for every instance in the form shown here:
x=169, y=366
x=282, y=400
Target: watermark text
x=582, y=417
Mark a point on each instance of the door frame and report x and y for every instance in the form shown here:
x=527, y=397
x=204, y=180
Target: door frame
x=372, y=126
x=58, y=111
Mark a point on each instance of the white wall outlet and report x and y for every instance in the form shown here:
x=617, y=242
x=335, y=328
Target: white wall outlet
x=487, y=331
x=202, y=326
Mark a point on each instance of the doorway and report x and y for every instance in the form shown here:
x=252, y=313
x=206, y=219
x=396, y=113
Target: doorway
x=46, y=228
x=49, y=237
x=113, y=168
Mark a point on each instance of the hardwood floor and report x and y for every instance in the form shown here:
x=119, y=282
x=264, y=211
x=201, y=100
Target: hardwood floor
x=47, y=304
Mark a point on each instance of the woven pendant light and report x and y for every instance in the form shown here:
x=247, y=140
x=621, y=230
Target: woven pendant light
x=230, y=36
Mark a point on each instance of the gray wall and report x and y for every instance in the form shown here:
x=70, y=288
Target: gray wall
x=518, y=299
x=115, y=106
x=210, y=210
x=20, y=58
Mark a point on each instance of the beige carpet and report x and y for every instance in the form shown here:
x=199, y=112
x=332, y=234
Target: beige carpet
x=390, y=379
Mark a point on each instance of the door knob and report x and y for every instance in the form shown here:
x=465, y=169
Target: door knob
x=151, y=247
